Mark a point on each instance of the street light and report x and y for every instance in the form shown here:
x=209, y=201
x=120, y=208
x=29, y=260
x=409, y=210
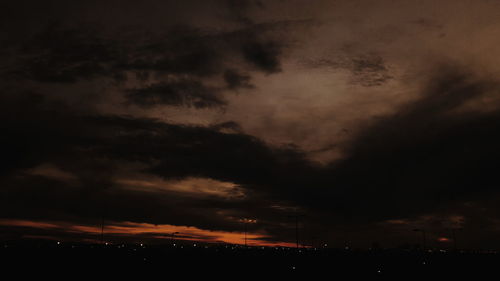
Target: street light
x=245, y=222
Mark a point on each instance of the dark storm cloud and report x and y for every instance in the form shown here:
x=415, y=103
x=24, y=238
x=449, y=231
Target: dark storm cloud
x=93, y=148
x=39, y=198
x=177, y=93
x=421, y=160
x=182, y=50
x=238, y=9
x=174, y=67
x=425, y=157
x=65, y=55
x=230, y=126
x=264, y=55
x=181, y=151
x=367, y=70
x=201, y=151
x=235, y=80
x=433, y=157
x=176, y=64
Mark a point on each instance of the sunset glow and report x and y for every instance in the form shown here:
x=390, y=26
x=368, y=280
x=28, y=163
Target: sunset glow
x=288, y=122
x=148, y=231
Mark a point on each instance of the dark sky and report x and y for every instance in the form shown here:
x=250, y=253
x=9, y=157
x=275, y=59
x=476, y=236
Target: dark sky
x=367, y=118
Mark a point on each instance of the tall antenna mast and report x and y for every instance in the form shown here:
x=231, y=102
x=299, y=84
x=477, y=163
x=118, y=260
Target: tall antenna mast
x=296, y=218
x=102, y=229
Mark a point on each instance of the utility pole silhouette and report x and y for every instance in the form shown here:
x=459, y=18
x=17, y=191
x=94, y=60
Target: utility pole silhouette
x=102, y=230
x=104, y=212
x=296, y=218
x=172, y=237
x=102, y=220
x=423, y=237
x=245, y=233
x=245, y=223
x=454, y=237
x=314, y=243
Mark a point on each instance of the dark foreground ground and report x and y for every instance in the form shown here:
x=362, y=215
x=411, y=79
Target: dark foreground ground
x=236, y=261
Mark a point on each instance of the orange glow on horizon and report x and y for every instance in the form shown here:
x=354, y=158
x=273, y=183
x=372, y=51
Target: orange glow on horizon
x=146, y=230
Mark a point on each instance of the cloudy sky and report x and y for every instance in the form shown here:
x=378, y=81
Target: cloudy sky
x=367, y=119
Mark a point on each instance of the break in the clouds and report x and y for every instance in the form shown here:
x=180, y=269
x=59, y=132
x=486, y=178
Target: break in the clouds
x=366, y=118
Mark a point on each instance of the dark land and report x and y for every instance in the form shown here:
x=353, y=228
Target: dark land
x=52, y=257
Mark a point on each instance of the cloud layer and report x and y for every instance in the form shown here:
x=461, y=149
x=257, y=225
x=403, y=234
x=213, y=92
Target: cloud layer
x=368, y=121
